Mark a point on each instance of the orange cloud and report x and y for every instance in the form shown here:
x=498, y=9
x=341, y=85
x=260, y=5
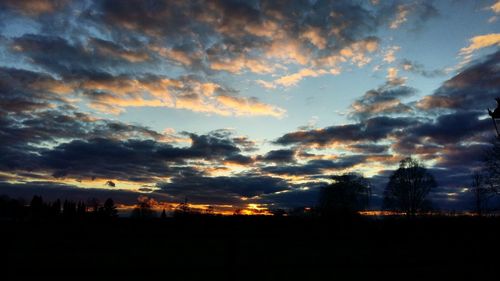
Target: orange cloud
x=481, y=41
x=176, y=55
x=249, y=106
x=496, y=7
x=389, y=56
x=236, y=65
x=429, y=102
x=116, y=94
x=314, y=36
x=401, y=16
x=293, y=79
x=35, y=7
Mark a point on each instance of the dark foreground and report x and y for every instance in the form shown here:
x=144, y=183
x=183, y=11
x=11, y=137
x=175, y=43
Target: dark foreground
x=254, y=248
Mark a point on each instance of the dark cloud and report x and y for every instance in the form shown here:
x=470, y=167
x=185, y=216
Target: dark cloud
x=240, y=27
x=23, y=90
x=384, y=101
x=372, y=129
x=69, y=59
x=369, y=148
x=221, y=190
x=294, y=198
x=136, y=160
x=216, y=144
x=110, y=184
x=452, y=127
x=280, y=155
x=418, y=68
x=316, y=167
x=474, y=88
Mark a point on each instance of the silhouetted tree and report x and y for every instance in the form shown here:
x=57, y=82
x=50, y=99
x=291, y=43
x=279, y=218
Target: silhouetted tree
x=81, y=209
x=163, y=214
x=12, y=208
x=94, y=205
x=69, y=209
x=349, y=193
x=37, y=207
x=408, y=188
x=143, y=210
x=278, y=212
x=55, y=208
x=109, y=208
x=183, y=208
x=481, y=193
x=210, y=210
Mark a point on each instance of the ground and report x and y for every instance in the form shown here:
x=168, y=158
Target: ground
x=254, y=248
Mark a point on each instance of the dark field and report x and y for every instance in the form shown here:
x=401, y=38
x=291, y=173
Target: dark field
x=255, y=248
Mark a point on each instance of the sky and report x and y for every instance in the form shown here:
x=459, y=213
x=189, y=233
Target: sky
x=248, y=105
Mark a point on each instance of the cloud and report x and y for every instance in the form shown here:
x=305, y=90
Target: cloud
x=452, y=127
x=401, y=16
x=319, y=167
x=368, y=148
x=34, y=7
x=416, y=13
x=473, y=88
x=389, y=55
x=372, y=129
x=266, y=84
x=384, y=100
x=417, y=68
x=495, y=7
x=393, y=78
x=221, y=190
x=84, y=69
x=293, y=79
x=249, y=106
x=280, y=156
x=108, y=48
x=105, y=149
x=480, y=42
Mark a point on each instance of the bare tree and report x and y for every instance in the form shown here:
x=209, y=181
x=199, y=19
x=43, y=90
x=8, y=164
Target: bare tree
x=492, y=166
x=481, y=192
x=408, y=188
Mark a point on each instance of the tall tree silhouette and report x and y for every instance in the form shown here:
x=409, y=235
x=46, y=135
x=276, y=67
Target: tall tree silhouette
x=69, y=209
x=348, y=193
x=109, y=208
x=55, y=208
x=409, y=187
x=492, y=167
x=37, y=207
x=94, y=204
x=481, y=193
x=81, y=209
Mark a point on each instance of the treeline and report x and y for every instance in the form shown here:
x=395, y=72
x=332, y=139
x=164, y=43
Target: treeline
x=38, y=209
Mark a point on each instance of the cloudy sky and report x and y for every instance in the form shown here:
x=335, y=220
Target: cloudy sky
x=242, y=104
